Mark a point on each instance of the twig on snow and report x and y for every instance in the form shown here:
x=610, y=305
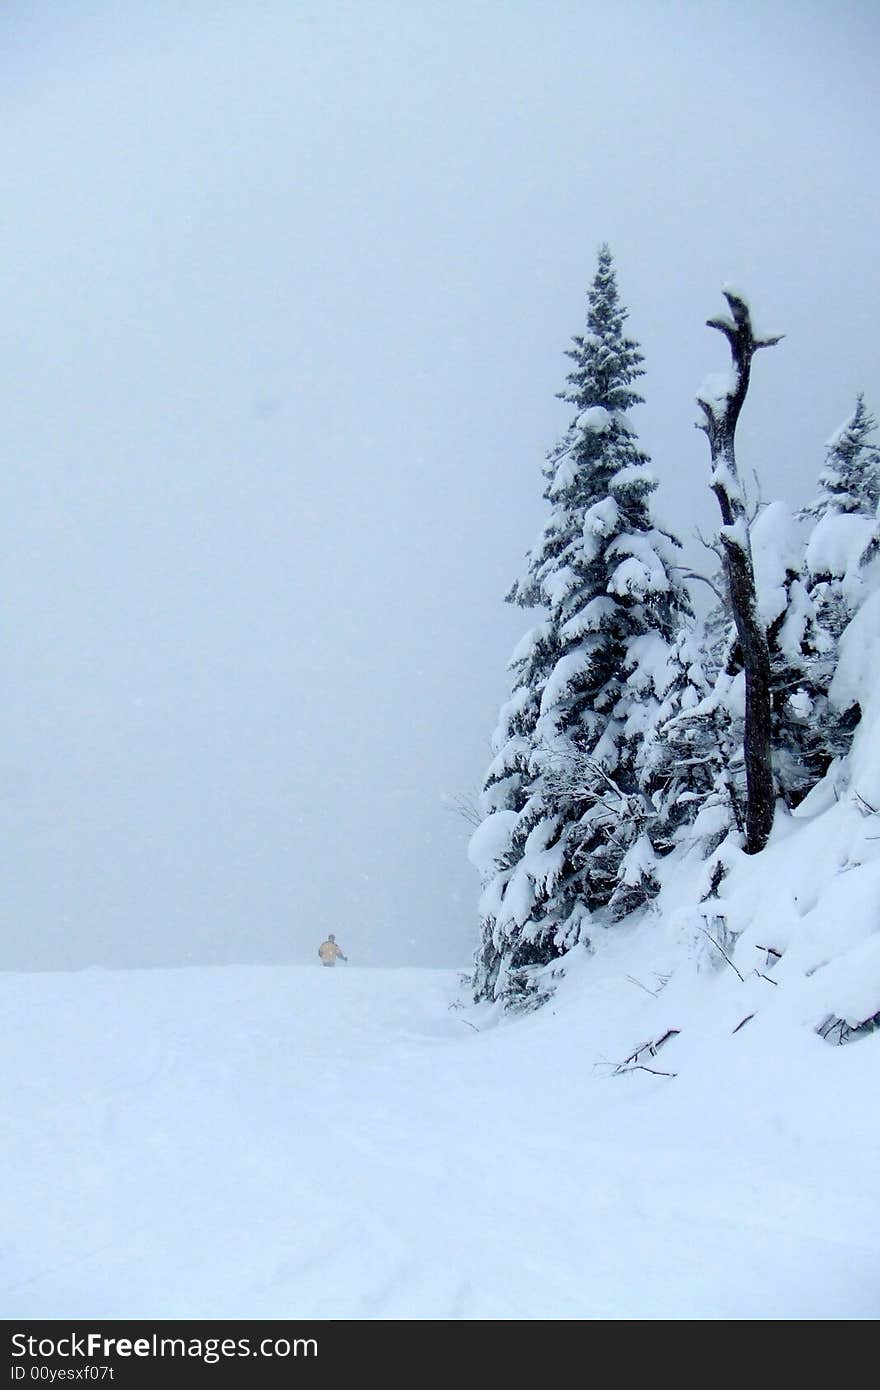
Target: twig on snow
x=640, y=1066
x=633, y=981
x=723, y=952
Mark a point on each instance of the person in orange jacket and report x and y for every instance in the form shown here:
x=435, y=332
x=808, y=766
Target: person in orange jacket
x=329, y=952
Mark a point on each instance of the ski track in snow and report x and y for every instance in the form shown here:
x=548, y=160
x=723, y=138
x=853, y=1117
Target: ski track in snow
x=249, y=1142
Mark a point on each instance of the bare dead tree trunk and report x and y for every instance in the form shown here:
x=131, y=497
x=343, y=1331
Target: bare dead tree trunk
x=721, y=401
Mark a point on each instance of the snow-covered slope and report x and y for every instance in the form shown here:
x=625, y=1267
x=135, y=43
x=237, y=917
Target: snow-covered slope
x=304, y=1142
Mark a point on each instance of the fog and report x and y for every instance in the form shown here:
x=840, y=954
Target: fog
x=286, y=290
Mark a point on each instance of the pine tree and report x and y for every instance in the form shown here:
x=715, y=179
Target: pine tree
x=844, y=513
x=822, y=597
x=676, y=762
x=850, y=480
x=566, y=827
x=801, y=656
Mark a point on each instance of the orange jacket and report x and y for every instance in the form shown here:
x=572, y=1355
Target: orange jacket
x=329, y=952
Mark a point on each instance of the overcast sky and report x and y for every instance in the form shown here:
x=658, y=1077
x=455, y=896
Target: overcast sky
x=286, y=289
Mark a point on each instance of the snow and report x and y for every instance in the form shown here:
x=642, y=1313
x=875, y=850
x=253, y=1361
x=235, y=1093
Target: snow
x=634, y=477
x=734, y=292
x=855, y=678
x=800, y=704
x=631, y=578
x=565, y=674
x=538, y=869
x=558, y=584
x=525, y=648
x=855, y=682
x=510, y=752
x=566, y=473
x=732, y=689
x=712, y=818
x=837, y=544
x=624, y=423
x=800, y=618
x=489, y=842
x=600, y=522
x=602, y=518
x=840, y=435
x=737, y=534
x=652, y=667
x=643, y=572
x=776, y=555
x=365, y=1144
x=673, y=1135
x=518, y=898
x=512, y=710
x=716, y=389
x=639, y=860
x=297, y=1142
x=723, y=476
x=593, y=617
x=596, y=419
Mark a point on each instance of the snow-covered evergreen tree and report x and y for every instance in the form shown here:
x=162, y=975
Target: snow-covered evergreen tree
x=850, y=480
x=844, y=513
x=702, y=748
x=676, y=762
x=692, y=765
x=566, y=820
x=802, y=657
x=828, y=591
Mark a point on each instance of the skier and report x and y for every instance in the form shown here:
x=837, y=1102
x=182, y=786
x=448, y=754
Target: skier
x=329, y=952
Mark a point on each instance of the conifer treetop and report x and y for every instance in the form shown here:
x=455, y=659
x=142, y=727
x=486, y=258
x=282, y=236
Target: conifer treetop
x=850, y=478
x=606, y=361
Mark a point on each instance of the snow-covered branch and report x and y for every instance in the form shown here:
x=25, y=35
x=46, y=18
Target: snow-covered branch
x=702, y=579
